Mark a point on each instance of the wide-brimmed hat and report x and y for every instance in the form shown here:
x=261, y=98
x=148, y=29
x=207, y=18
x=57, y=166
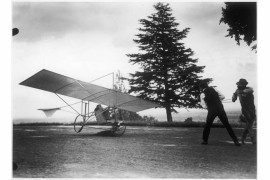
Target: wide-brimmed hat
x=242, y=82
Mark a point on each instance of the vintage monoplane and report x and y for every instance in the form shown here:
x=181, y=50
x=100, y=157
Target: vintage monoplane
x=87, y=92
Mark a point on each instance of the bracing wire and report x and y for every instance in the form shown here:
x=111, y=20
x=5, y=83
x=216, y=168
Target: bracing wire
x=68, y=111
x=102, y=77
x=70, y=105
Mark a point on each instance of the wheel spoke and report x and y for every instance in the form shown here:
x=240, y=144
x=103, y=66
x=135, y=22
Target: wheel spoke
x=79, y=123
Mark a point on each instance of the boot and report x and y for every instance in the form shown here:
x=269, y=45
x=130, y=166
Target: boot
x=243, y=138
x=237, y=143
x=253, y=140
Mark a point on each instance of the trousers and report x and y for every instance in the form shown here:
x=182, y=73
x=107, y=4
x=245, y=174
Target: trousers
x=250, y=118
x=212, y=114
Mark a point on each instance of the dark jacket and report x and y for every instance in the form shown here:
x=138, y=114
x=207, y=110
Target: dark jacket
x=246, y=99
x=212, y=99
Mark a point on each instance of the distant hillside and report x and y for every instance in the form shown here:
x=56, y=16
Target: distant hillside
x=42, y=120
x=198, y=116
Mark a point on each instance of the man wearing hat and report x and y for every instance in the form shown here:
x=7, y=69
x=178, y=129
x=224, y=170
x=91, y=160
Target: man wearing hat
x=211, y=99
x=246, y=99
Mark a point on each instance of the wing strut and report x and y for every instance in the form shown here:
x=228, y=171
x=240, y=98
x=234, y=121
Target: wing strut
x=89, y=92
x=67, y=103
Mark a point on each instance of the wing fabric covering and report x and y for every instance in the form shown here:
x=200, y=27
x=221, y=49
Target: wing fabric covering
x=59, y=84
x=49, y=112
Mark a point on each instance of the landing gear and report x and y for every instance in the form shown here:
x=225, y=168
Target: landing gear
x=79, y=123
x=118, y=128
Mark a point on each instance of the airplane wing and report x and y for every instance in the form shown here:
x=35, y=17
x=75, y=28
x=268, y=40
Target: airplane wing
x=59, y=84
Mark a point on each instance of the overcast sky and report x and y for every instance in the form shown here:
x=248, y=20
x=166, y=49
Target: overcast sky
x=88, y=40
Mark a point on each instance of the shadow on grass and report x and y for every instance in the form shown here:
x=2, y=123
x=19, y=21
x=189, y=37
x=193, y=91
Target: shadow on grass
x=106, y=133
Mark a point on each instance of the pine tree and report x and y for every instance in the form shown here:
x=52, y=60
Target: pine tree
x=241, y=17
x=169, y=74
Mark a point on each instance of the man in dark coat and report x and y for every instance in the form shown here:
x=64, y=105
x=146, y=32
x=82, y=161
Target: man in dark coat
x=211, y=99
x=246, y=99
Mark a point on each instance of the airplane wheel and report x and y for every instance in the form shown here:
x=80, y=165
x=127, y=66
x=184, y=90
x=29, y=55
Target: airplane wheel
x=119, y=130
x=79, y=123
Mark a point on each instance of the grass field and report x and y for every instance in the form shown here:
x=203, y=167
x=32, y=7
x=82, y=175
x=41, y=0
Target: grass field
x=142, y=152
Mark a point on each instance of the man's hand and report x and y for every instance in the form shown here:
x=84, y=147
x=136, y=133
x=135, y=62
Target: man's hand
x=234, y=97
